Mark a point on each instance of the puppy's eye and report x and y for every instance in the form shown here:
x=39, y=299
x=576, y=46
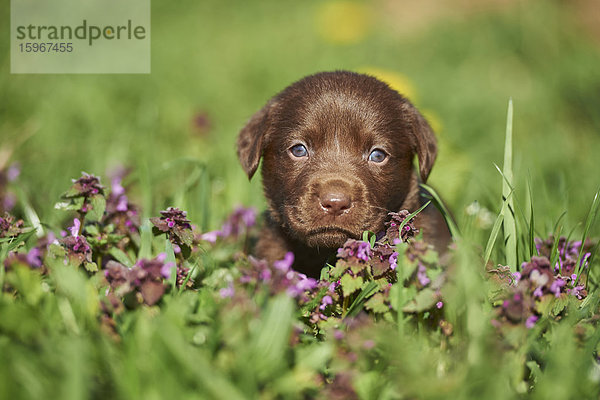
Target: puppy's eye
x=377, y=156
x=299, y=150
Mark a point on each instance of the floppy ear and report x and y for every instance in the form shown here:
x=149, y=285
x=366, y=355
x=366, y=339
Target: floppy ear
x=251, y=140
x=423, y=140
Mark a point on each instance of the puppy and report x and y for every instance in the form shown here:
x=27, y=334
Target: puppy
x=338, y=150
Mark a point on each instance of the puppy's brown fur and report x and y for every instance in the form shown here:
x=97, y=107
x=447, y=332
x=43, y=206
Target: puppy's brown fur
x=340, y=187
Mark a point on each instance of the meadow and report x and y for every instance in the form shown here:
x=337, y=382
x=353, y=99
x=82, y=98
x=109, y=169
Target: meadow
x=132, y=280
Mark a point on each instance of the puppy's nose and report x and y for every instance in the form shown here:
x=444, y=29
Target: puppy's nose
x=335, y=202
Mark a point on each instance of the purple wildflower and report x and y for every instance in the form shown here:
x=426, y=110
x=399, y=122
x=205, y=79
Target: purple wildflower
x=578, y=291
x=364, y=251
x=393, y=260
x=265, y=274
x=34, y=257
x=145, y=278
x=78, y=248
x=355, y=249
x=368, y=344
x=239, y=221
x=9, y=227
x=75, y=228
x=439, y=304
x=13, y=172
x=88, y=185
x=174, y=223
x=530, y=322
x=210, y=236
x=556, y=286
x=325, y=301
x=516, y=277
x=165, y=270
x=285, y=264
x=393, y=227
x=422, y=275
x=227, y=292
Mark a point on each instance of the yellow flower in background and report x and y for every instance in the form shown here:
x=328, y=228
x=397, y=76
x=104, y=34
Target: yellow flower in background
x=343, y=22
x=395, y=80
x=433, y=119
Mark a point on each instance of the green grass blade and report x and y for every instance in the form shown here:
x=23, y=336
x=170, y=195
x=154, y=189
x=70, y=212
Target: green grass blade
x=561, y=216
x=509, y=225
x=591, y=217
x=360, y=300
x=411, y=216
x=532, y=248
x=437, y=202
x=492, y=239
x=554, y=253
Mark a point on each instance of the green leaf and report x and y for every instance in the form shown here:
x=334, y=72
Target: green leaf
x=377, y=304
x=186, y=236
x=98, y=203
x=72, y=192
x=559, y=304
x=120, y=256
x=338, y=270
x=424, y=300
x=90, y=267
x=350, y=284
x=92, y=230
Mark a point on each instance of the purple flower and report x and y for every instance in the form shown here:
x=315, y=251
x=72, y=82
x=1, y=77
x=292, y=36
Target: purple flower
x=174, y=223
x=75, y=228
x=538, y=292
x=422, y=275
x=239, y=221
x=530, y=323
x=393, y=260
x=210, y=236
x=285, y=264
x=393, y=232
x=122, y=204
x=13, y=172
x=265, y=274
x=364, y=251
x=88, y=185
x=303, y=285
x=227, y=292
x=9, y=227
x=368, y=344
x=516, y=277
x=165, y=270
x=116, y=188
x=355, y=249
x=439, y=304
x=325, y=301
x=34, y=257
x=556, y=285
x=578, y=291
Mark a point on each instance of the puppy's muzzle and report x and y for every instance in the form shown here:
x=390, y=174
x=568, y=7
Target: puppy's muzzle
x=335, y=198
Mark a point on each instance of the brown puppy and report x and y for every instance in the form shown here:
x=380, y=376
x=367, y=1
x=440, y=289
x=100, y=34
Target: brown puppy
x=338, y=151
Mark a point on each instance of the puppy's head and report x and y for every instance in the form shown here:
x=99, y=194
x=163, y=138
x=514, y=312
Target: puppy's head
x=338, y=150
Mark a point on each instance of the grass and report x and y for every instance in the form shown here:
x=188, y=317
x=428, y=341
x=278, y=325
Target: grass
x=56, y=342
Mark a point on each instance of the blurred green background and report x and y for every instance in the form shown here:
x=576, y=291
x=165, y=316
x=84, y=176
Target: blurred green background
x=214, y=63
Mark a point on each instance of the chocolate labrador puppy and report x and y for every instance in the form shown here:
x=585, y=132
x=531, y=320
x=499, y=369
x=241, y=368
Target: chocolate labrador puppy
x=337, y=151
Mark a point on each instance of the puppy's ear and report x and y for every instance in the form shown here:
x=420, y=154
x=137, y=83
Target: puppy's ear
x=251, y=140
x=423, y=139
